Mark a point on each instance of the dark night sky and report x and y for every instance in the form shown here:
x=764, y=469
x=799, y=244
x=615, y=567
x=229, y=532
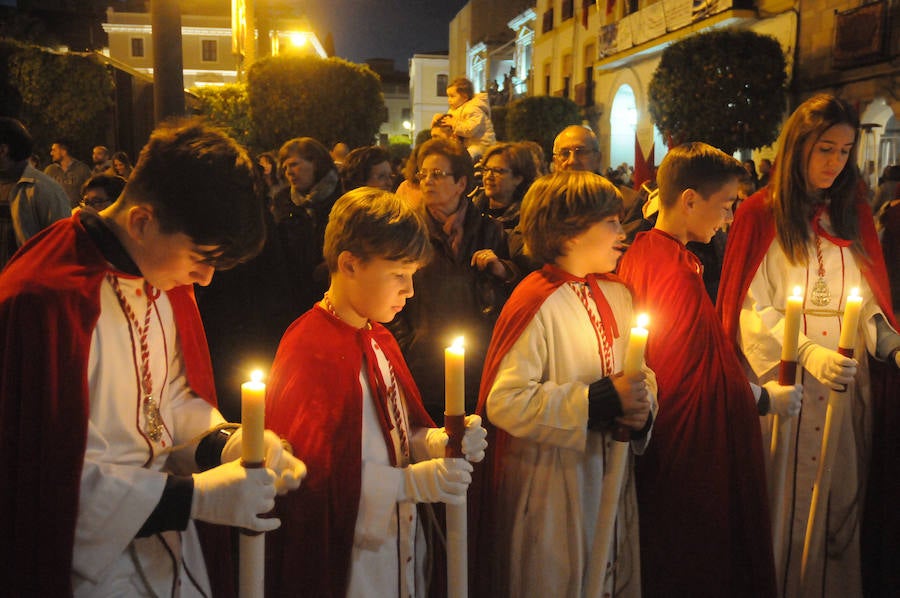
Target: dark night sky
x=383, y=28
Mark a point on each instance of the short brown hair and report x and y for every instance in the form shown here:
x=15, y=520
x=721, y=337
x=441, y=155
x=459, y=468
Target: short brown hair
x=309, y=149
x=200, y=182
x=560, y=206
x=460, y=160
x=371, y=223
x=463, y=86
x=697, y=166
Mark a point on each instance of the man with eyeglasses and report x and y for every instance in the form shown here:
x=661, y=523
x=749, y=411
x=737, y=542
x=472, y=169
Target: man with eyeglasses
x=101, y=190
x=576, y=148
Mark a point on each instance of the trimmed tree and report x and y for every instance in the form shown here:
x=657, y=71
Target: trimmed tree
x=726, y=88
x=330, y=100
x=57, y=96
x=540, y=119
x=228, y=107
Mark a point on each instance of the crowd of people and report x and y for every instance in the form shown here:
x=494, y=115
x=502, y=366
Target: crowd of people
x=346, y=279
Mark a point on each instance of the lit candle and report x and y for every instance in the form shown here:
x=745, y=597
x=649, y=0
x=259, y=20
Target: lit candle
x=792, y=312
x=637, y=341
x=851, y=321
x=455, y=378
x=253, y=418
x=454, y=423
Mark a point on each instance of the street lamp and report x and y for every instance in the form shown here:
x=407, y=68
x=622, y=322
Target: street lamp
x=408, y=126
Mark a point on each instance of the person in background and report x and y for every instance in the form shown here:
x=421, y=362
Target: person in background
x=100, y=191
x=462, y=288
x=122, y=164
x=408, y=190
x=68, y=171
x=576, y=148
x=469, y=117
x=367, y=167
x=341, y=392
x=273, y=180
x=111, y=444
x=439, y=128
x=29, y=199
x=339, y=153
x=101, y=159
x=765, y=171
x=750, y=167
x=537, y=155
x=301, y=213
x=507, y=174
x=812, y=227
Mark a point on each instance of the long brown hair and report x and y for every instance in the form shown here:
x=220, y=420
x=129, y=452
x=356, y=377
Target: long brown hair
x=793, y=198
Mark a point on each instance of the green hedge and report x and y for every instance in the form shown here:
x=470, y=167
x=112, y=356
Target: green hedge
x=725, y=88
x=540, y=119
x=57, y=96
x=330, y=100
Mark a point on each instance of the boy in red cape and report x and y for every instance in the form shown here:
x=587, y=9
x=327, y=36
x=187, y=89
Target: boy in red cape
x=342, y=394
x=553, y=390
x=106, y=398
x=705, y=528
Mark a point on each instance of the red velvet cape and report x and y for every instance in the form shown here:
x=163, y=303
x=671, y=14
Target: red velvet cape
x=314, y=400
x=701, y=486
x=49, y=306
x=517, y=313
x=749, y=239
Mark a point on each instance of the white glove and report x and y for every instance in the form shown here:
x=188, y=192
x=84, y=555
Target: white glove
x=288, y=469
x=784, y=400
x=829, y=367
x=436, y=480
x=233, y=495
x=473, y=443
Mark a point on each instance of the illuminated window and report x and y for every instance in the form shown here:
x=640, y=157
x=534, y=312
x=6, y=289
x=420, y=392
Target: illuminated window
x=441, y=86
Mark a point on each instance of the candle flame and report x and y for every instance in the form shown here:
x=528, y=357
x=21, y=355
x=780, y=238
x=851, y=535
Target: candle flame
x=642, y=320
x=854, y=292
x=458, y=343
x=798, y=291
x=256, y=376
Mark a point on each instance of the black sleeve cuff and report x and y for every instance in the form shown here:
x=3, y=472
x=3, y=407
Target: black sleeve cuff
x=209, y=449
x=173, y=511
x=764, y=403
x=604, y=404
x=642, y=433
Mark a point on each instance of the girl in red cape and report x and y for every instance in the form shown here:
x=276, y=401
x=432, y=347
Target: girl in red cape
x=812, y=228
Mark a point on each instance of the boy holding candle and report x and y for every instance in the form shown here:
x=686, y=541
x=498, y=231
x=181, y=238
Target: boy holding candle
x=701, y=485
x=342, y=394
x=106, y=398
x=553, y=389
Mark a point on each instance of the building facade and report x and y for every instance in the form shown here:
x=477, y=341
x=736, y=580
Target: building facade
x=428, y=78
x=206, y=44
x=603, y=56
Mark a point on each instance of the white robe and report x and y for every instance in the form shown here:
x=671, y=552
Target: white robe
x=761, y=336
x=124, y=471
x=552, y=475
x=388, y=552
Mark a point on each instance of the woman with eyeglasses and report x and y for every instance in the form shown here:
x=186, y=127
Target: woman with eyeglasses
x=509, y=169
x=461, y=290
